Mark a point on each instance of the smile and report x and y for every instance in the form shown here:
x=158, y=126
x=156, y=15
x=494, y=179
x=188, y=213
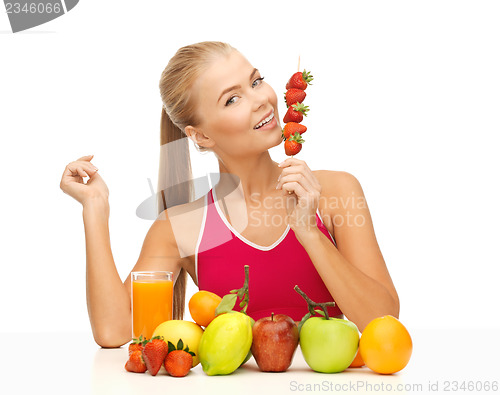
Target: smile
x=265, y=121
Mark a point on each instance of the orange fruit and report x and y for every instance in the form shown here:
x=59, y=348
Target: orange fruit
x=202, y=307
x=358, y=361
x=385, y=345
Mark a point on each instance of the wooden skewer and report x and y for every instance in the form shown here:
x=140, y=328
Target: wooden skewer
x=298, y=69
x=291, y=156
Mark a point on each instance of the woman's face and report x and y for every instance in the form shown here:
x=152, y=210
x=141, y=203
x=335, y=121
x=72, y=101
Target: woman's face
x=232, y=100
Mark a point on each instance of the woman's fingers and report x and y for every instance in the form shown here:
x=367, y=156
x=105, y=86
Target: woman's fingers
x=86, y=162
x=80, y=168
x=83, y=167
x=297, y=170
x=297, y=166
x=296, y=177
x=86, y=157
x=89, y=168
x=294, y=186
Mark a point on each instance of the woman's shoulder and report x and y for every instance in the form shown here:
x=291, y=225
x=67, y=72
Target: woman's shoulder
x=336, y=181
x=338, y=189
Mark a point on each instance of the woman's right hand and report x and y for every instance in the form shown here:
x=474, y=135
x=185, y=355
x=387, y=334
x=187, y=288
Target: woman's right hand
x=73, y=185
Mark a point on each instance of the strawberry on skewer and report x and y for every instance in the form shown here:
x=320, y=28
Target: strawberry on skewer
x=296, y=113
x=293, y=96
x=293, y=145
x=291, y=128
x=299, y=80
x=296, y=110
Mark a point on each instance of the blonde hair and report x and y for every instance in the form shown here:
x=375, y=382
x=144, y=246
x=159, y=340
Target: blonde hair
x=175, y=184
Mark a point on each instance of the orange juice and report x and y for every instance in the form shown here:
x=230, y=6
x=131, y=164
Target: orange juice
x=152, y=298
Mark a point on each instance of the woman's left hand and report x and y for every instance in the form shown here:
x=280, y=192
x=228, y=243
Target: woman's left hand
x=303, y=200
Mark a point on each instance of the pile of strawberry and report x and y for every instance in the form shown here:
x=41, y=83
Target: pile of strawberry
x=294, y=97
x=151, y=354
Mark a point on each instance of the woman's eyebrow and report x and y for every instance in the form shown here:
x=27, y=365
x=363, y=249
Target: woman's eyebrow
x=235, y=86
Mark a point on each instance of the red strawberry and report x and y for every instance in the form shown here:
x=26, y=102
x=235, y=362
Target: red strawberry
x=135, y=363
x=293, y=145
x=295, y=113
x=154, y=354
x=291, y=128
x=178, y=363
x=293, y=96
x=300, y=80
x=136, y=345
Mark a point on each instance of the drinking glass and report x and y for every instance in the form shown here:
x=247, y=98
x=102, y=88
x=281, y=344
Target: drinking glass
x=152, y=301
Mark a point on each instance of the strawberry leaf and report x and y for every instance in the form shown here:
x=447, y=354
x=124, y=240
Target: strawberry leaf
x=306, y=75
x=139, y=340
x=171, y=347
x=180, y=345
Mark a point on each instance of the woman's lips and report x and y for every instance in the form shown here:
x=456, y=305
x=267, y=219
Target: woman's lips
x=270, y=125
x=270, y=113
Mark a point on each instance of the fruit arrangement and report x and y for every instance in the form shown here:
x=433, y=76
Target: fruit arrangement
x=230, y=338
x=296, y=110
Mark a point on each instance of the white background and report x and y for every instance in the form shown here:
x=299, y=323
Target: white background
x=405, y=97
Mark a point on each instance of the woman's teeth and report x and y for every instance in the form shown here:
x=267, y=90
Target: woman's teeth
x=264, y=121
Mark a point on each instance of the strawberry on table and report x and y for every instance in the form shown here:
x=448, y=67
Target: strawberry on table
x=179, y=360
x=178, y=363
x=291, y=128
x=136, y=345
x=154, y=354
x=299, y=80
x=295, y=113
x=135, y=363
x=293, y=145
x=293, y=96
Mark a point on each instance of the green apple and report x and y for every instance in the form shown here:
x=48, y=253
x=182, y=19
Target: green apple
x=329, y=346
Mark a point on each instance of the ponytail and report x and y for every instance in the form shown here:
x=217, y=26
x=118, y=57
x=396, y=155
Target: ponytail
x=175, y=187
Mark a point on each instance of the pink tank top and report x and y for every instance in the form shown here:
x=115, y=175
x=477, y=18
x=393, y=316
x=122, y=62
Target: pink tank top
x=221, y=253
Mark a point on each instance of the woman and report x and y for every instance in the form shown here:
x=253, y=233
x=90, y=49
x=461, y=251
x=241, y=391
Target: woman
x=278, y=218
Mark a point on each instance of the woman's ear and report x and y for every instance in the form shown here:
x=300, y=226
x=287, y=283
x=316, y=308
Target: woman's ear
x=197, y=136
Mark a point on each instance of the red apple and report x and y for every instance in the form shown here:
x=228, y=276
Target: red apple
x=275, y=340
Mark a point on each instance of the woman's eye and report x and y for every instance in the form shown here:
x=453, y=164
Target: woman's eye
x=259, y=80
x=230, y=101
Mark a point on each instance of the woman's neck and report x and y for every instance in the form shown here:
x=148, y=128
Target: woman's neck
x=255, y=176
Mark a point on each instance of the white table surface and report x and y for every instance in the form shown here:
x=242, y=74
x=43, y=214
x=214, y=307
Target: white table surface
x=71, y=363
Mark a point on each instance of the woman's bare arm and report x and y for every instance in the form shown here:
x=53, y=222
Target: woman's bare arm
x=355, y=273
x=108, y=298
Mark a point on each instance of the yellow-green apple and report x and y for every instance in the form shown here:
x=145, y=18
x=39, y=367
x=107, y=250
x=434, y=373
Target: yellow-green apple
x=329, y=345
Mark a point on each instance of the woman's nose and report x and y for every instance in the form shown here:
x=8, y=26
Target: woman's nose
x=260, y=99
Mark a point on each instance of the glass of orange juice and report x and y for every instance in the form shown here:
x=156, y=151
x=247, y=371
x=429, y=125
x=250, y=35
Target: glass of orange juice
x=152, y=301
